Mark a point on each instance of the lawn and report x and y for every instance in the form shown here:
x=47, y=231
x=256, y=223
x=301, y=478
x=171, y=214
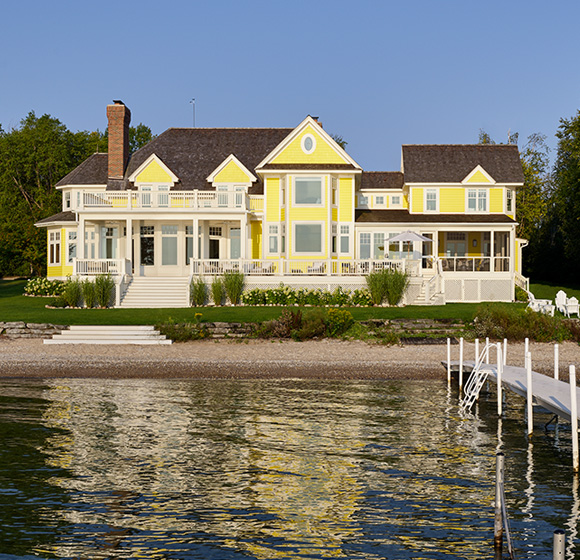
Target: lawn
x=16, y=307
x=548, y=290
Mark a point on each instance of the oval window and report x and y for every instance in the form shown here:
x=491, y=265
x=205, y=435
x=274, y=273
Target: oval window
x=308, y=143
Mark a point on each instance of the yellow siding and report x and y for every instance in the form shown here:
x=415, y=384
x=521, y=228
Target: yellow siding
x=471, y=250
x=441, y=244
x=232, y=173
x=335, y=214
x=417, y=200
x=406, y=201
x=478, y=177
x=452, y=200
x=256, y=229
x=256, y=203
x=282, y=214
x=346, y=198
x=322, y=153
x=496, y=200
x=153, y=173
x=272, y=199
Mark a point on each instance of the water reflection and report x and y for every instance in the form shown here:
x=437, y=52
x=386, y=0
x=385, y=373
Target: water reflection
x=266, y=469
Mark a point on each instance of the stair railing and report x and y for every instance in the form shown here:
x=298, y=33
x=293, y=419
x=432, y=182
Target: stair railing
x=476, y=380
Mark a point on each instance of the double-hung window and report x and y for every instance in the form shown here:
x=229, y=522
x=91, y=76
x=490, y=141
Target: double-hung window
x=344, y=239
x=430, y=200
x=477, y=200
x=509, y=200
x=71, y=246
x=308, y=191
x=54, y=248
x=273, y=239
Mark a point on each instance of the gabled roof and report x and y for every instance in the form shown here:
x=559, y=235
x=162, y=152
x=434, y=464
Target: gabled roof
x=93, y=171
x=381, y=180
x=194, y=153
x=453, y=162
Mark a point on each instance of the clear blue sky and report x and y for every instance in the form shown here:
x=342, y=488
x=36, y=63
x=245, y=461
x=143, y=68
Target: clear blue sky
x=379, y=73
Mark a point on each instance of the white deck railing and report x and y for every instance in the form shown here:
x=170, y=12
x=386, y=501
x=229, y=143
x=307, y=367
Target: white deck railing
x=169, y=200
x=284, y=267
x=91, y=267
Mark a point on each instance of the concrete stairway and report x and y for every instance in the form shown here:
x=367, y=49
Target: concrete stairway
x=167, y=292
x=105, y=334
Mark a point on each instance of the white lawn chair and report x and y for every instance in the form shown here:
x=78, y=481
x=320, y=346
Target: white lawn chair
x=561, y=298
x=541, y=305
x=566, y=305
x=572, y=306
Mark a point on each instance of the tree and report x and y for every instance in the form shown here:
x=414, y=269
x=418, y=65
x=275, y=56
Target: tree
x=33, y=158
x=567, y=193
x=138, y=136
x=339, y=140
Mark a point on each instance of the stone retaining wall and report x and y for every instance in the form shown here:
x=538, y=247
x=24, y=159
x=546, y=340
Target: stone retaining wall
x=20, y=329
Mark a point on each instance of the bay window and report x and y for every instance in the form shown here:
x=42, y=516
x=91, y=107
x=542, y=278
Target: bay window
x=308, y=191
x=308, y=238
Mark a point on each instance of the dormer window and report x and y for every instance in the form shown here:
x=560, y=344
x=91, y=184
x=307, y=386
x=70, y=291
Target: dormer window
x=67, y=203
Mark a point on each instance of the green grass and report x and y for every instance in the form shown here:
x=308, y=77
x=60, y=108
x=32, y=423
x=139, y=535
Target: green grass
x=16, y=307
x=549, y=290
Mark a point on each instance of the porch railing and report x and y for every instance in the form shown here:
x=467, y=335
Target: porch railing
x=284, y=267
x=522, y=282
x=169, y=200
x=475, y=264
x=92, y=267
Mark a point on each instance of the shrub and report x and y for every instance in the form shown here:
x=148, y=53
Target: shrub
x=338, y=321
x=184, y=332
x=256, y=296
x=217, y=290
x=521, y=295
x=234, y=286
x=377, y=285
x=104, y=289
x=516, y=324
x=73, y=291
x=43, y=287
x=198, y=292
x=361, y=297
x=89, y=293
x=313, y=325
x=340, y=297
x=396, y=283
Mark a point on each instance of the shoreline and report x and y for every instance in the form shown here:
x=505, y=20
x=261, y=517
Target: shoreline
x=256, y=359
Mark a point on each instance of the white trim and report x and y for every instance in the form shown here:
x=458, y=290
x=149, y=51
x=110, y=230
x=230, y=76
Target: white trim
x=479, y=169
x=142, y=167
x=75, y=186
x=223, y=165
x=308, y=121
x=454, y=184
x=437, y=197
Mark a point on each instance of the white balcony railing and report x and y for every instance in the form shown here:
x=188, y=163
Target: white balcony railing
x=168, y=200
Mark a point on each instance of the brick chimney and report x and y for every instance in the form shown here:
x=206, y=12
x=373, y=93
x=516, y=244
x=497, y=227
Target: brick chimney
x=119, y=118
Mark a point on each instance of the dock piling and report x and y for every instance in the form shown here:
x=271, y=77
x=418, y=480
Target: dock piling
x=487, y=350
x=461, y=364
x=500, y=364
x=559, y=544
x=556, y=361
x=529, y=394
x=505, y=351
x=476, y=350
x=448, y=361
x=574, y=418
x=498, y=525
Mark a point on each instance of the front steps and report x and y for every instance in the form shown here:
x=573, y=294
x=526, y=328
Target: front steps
x=85, y=334
x=163, y=292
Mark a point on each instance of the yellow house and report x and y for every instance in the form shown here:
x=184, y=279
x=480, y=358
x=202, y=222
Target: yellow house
x=286, y=205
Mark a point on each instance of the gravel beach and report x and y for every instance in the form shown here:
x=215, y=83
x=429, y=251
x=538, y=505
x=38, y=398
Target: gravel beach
x=226, y=359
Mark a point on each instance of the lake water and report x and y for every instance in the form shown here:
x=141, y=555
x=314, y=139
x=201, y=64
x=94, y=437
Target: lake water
x=288, y=469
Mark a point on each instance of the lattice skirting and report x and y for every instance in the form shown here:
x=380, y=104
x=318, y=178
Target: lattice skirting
x=478, y=289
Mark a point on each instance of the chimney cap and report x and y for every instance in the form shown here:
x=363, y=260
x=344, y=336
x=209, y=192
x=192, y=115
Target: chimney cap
x=118, y=102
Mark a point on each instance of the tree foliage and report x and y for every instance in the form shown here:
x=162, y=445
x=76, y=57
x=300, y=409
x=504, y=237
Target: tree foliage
x=33, y=158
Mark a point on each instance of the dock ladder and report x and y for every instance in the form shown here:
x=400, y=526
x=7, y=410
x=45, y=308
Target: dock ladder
x=476, y=380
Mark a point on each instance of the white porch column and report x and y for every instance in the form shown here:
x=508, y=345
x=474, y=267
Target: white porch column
x=81, y=239
x=243, y=236
x=195, y=240
x=492, y=250
x=137, y=255
x=129, y=239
